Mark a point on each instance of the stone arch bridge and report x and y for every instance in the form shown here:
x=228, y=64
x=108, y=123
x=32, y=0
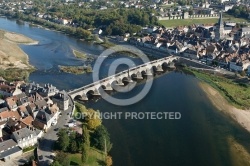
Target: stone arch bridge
x=136, y=72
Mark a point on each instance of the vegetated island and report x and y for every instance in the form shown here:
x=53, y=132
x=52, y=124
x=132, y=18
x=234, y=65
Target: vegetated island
x=84, y=56
x=89, y=146
x=14, y=62
x=76, y=69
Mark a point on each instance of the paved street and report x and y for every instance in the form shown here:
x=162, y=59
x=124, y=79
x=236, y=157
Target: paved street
x=47, y=142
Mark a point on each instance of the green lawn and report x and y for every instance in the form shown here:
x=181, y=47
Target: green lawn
x=182, y=22
x=96, y=158
x=227, y=17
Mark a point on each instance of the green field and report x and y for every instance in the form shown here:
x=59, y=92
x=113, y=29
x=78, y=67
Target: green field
x=96, y=158
x=182, y=22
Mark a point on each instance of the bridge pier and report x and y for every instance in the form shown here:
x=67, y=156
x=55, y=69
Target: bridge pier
x=84, y=97
x=129, y=80
x=96, y=93
x=119, y=82
x=148, y=72
x=108, y=88
x=159, y=68
x=138, y=76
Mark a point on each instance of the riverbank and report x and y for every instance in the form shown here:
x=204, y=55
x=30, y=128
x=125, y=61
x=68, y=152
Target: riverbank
x=14, y=62
x=239, y=115
x=11, y=55
x=236, y=93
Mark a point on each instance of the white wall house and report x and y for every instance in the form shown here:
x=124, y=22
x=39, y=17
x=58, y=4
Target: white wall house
x=25, y=137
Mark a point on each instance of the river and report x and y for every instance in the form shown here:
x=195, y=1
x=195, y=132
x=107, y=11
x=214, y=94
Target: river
x=200, y=138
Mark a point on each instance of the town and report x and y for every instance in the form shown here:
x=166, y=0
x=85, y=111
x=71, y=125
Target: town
x=27, y=111
x=213, y=38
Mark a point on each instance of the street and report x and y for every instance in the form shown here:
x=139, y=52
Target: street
x=46, y=143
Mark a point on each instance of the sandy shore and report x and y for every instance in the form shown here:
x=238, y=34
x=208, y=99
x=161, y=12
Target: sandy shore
x=11, y=55
x=241, y=116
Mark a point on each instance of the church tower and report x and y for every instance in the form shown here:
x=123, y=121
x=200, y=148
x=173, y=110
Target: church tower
x=219, y=31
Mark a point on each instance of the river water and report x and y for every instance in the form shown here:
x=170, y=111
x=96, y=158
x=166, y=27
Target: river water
x=200, y=138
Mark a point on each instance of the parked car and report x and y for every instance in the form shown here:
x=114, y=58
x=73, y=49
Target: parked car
x=40, y=157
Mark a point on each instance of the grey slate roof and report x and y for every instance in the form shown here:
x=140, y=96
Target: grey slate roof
x=8, y=147
x=10, y=151
x=23, y=133
x=7, y=144
x=43, y=116
x=61, y=95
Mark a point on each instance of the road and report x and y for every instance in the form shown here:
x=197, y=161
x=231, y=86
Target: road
x=45, y=145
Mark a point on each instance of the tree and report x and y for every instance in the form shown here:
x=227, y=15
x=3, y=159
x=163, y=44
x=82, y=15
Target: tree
x=55, y=163
x=63, y=139
x=85, y=144
x=73, y=147
x=82, y=33
x=243, y=73
x=62, y=158
x=93, y=120
x=100, y=139
x=108, y=161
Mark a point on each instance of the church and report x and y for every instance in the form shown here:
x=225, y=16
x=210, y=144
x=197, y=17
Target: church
x=221, y=32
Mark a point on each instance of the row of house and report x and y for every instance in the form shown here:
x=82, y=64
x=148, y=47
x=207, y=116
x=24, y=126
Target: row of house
x=26, y=112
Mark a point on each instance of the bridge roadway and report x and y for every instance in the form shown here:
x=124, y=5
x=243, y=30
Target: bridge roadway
x=136, y=72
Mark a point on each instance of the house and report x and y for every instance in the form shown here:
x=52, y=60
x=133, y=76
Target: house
x=43, y=120
x=25, y=137
x=191, y=53
x=28, y=121
x=22, y=110
x=64, y=21
x=31, y=109
x=23, y=101
x=97, y=31
x=10, y=89
x=48, y=90
x=9, y=149
x=62, y=100
x=244, y=31
x=4, y=114
x=41, y=104
x=12, y=102
x=14, y=125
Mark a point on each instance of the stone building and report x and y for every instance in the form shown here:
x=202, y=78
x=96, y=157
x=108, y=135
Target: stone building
x=62, y=100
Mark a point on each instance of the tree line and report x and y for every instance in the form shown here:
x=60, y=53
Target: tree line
x=240, y=11
x=111, y=20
